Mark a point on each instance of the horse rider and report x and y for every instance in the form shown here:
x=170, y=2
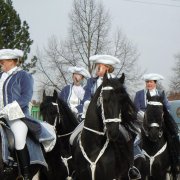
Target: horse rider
x=73, y=93
x=16, y=90
x=151, y=86
x=140, y=102
x=101, y=64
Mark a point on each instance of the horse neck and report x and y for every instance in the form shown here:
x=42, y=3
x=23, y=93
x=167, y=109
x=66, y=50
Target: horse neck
x=93, y=121
x=68, y=121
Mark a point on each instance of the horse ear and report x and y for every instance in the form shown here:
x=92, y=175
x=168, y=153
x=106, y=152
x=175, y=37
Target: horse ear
x=162, y=96
x=122, y=78
x=44, y=95
x=55, y=94
x=148, y=96
x=105, y=77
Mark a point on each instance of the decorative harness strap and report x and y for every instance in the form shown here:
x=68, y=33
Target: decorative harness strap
x=65, y=161
x=94, y=131
x=152, y=158
x=93, y=164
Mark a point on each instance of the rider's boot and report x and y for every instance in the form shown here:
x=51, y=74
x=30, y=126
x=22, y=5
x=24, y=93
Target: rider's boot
x=24, y=162
x=134, y=173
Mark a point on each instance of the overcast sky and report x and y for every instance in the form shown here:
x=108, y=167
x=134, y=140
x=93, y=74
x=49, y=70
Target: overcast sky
x=152, y=25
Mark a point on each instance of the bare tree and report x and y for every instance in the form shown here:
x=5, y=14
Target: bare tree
x=175, y=79
x=89, y=34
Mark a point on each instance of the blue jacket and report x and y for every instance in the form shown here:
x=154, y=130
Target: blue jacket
x=19, y=87
x=65, y=95
x=89, y=89
x=140, y=100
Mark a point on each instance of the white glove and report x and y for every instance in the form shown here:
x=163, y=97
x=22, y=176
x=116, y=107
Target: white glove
x=12, y=111
x=74, y=110
x=140, y=116
x=85, y=107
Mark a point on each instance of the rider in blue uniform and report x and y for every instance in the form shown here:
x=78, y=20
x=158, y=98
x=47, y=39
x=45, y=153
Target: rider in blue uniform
x=101, y=64
x=151, y=85
x=16, y=90
x=73, y=93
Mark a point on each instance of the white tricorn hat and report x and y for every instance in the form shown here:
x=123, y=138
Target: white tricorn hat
x=6, y=54
x=104, y=59
x=79, y=70
x=152, y=76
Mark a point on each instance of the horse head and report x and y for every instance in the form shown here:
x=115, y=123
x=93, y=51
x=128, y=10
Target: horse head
x=112, y=97
x=153, y=118
x=56, y=112
x=48, y=109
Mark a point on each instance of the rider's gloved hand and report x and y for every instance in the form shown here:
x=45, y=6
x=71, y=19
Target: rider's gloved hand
x=85, y=107
x=12, y=111
x=74, y=110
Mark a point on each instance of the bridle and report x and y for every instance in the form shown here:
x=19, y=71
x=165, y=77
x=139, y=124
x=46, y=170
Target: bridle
x=58, y=121
x=154, y=103
x=105, y=121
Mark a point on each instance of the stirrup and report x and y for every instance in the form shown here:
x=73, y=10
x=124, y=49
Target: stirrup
x=138, y=174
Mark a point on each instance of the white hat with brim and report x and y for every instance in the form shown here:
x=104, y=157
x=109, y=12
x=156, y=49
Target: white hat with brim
x=6, y=54
x=79, y=70
x=104, y=59
x=152, y=76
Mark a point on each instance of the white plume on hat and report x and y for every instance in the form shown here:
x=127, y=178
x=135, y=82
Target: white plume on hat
x=79, y=70
x=6, y=54
x=152, y=76
x=104, y=59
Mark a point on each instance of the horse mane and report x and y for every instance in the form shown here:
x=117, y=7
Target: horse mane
x=171, y=134
x=66, y=112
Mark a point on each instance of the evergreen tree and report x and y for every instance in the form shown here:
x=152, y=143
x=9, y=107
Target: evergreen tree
x=14, y=33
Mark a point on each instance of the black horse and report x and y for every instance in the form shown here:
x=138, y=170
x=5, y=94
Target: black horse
x=105, y=148
x=11, y=170
x=160, y=150
x=56, y=112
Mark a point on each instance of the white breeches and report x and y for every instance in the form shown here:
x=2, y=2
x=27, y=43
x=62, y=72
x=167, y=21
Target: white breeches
x=19, y=130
